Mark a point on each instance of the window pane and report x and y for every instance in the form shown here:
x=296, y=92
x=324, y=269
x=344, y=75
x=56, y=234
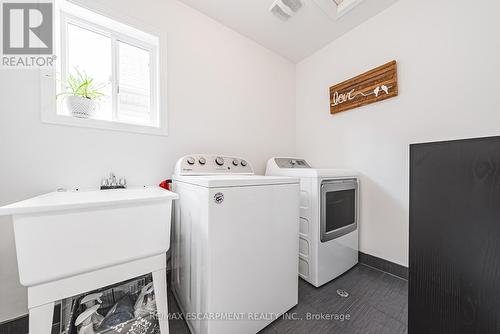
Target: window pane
x=134, y=100
x=90, y=53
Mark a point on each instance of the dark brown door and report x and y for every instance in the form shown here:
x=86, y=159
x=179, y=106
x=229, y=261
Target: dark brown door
x=454, y=282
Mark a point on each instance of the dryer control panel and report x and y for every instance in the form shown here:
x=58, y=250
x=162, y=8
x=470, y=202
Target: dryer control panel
x=209, y=164
x=291, y=163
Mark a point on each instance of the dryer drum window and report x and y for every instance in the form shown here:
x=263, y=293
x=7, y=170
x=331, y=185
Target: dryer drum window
x=339, y=203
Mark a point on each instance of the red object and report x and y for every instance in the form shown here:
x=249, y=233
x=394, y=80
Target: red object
x=166, y=184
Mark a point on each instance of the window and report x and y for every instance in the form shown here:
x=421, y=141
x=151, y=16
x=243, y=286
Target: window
x=113, y=65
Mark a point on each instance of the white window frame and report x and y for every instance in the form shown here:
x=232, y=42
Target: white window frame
x=68, y=13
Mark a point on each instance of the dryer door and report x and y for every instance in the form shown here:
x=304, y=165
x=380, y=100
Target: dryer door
x=339, y=208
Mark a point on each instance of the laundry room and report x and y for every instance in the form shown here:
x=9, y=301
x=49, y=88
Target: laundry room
x=249, y=166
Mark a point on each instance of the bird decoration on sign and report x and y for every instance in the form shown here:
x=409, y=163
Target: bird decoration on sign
x=377, y=91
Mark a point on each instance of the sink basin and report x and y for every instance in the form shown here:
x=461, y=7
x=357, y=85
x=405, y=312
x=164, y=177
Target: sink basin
x=64, y=234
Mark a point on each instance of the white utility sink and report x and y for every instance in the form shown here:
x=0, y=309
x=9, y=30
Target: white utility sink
x=69, y=243
x=63, y=234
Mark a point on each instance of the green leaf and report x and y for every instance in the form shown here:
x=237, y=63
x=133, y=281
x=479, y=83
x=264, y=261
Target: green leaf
x=81, y=84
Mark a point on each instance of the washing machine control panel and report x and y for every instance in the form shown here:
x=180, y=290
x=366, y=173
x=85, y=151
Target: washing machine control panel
x=206, y=164
x=291, y=163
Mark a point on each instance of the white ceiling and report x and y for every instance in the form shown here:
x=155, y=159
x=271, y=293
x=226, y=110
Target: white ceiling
x=308, y=31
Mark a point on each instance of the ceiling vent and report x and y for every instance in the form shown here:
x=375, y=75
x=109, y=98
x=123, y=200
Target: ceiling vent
x=335, y=9
x=285, y=9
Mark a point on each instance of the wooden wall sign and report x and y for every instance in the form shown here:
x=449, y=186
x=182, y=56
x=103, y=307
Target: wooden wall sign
x=376, y=85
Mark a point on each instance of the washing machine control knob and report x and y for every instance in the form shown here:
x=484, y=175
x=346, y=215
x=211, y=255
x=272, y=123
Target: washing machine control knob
x=190, y=161
x=235, y=162
x=202, y=161
x=219, y=161
x=243, y=163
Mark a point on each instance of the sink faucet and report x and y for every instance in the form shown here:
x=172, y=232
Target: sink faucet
x=112, y=179
x=113, y=182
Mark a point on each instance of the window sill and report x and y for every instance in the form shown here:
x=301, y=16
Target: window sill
x=53, y=118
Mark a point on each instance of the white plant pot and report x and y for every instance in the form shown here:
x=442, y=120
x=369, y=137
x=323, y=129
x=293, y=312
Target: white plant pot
x=81, y=107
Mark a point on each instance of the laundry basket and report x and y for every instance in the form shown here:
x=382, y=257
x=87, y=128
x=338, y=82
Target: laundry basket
x=117, y=307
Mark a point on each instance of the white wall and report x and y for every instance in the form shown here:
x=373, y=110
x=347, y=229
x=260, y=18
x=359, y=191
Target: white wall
x=225, y=94
x=448, y=53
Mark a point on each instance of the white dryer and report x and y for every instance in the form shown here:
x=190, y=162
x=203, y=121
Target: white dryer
x=329, y=217
x=235, y=244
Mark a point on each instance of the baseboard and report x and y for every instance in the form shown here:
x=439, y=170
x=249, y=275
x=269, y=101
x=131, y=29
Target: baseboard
x=384, y=265
x=17, y=325
x=20, y=325
x=3, y=322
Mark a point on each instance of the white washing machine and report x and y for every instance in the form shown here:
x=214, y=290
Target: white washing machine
x=329, y=216
x=235, y=244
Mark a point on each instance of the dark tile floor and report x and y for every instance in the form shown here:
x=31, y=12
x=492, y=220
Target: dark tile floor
x=377, y=304
x=176, y=324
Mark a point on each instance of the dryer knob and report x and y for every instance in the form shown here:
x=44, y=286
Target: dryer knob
x=202, y=161
x=235, y=162
x=190, y=161
x=219, y=161
x=243, y=163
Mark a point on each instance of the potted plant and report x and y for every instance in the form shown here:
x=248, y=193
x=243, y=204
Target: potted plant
x=82, y=95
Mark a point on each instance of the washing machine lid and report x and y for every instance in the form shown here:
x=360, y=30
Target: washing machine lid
x=224, y=181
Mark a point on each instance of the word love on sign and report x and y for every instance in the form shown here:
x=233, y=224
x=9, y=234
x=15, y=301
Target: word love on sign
x=376, y=85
